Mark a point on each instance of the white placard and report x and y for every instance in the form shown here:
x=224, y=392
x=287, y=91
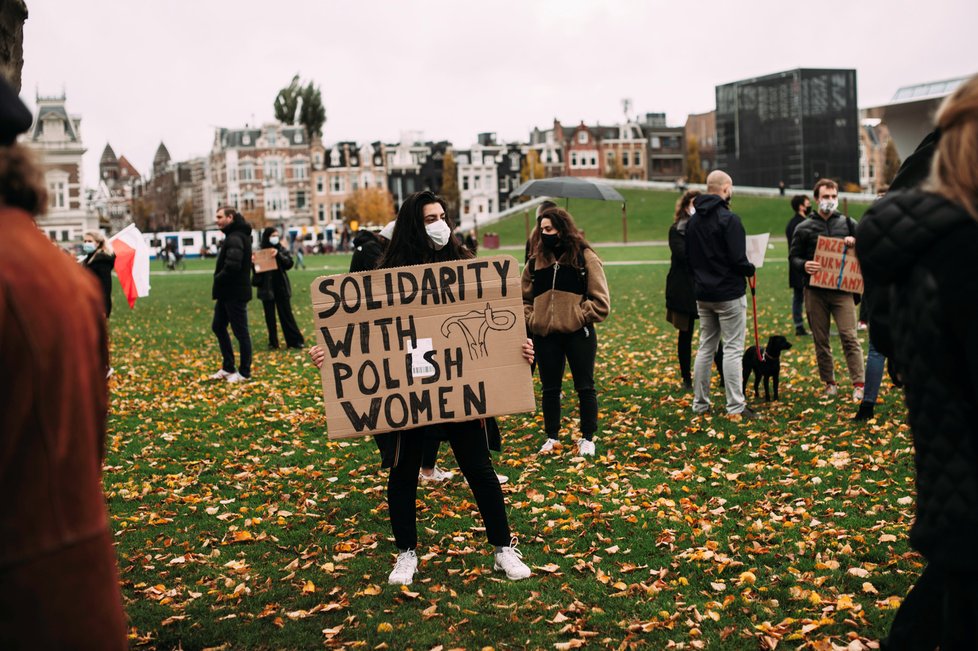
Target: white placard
x=756, y=248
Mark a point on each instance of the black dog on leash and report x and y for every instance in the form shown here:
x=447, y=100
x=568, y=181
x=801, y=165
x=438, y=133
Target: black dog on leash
x=765, y=367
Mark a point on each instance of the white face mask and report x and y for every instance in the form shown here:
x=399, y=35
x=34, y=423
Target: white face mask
x=439, y=232
x=273, y=241
x=691, y=210
x=827, y=206
x=88, y=247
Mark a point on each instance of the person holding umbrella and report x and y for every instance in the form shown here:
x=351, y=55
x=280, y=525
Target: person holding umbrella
x=565, y=294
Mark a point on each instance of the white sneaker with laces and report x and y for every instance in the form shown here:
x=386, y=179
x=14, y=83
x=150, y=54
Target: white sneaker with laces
x=585, y=448
x=236, y=378
x=502, y=479
x=222, y=374
x=437, y=474
x=548, y=446
x=858, y=393
x=831, y=390
x=510, y=560
x=404, y=568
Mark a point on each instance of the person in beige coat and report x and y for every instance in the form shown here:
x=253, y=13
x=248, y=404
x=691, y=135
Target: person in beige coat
x=565, y=293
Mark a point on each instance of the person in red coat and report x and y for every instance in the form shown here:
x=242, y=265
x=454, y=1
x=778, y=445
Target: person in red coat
x=59, y=584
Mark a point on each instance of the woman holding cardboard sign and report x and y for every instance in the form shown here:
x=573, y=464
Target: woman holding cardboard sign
x=423, y=235
x=564, y=294
x=275, y=291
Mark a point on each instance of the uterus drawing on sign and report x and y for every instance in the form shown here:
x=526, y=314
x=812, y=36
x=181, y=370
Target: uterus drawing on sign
x=475, y=325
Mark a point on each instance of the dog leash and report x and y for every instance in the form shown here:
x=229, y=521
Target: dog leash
x=752, y=281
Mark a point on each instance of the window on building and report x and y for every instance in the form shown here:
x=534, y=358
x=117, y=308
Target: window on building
x=320, y=185
x=300, y=170
x=336, y=211
x=232, y=173
x=247, y=171
x=610, y=158
x=248, y=200
x=58, y=194
x=233, y=199
x=655, y=143
x=465, y=182
x=298, y=137
x=476, y=182
x=573, y=159
x=65, y=236
x=317, y=159
x=466, y=207
x=187, y=241
x=272, y=168
x=582, y=137
x=322, y=213
x=246, y=139
x=336, y=184
x=594, y=160
x=490, y=205
x=270, y=137
x=300, y=199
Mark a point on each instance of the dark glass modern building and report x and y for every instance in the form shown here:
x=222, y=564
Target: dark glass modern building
x=796, y=126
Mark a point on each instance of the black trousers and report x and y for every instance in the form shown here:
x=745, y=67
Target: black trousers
x=941, y=610
x=234, y=313
x=578, y=349
x=293, y=336
x=684, y=348
x=472, y=454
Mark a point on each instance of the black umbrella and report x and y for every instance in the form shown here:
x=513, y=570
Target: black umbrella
x=569, y=187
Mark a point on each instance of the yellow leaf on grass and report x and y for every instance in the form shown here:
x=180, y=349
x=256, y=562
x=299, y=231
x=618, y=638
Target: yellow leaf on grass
x=309, y=587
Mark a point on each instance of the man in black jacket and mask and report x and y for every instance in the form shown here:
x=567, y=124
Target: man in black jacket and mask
x=232, y=291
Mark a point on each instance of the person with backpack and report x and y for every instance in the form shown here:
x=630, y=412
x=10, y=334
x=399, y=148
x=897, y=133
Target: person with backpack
x=565, y=293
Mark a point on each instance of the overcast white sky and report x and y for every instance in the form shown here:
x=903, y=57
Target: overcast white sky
x=143, y=71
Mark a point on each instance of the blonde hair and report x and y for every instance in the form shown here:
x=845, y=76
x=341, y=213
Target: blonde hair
x=101, y=244
x=954, y=172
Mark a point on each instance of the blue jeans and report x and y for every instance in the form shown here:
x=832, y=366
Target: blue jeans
x=874, y=374
x=726, y=320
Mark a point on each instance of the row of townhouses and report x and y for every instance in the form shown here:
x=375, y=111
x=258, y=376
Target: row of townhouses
x=277, y=174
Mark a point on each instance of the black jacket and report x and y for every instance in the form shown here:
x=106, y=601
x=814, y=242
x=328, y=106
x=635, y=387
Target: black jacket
x=275, y=284
x=716, y=247
x=100, y=263
x=679, y=282
x=796, y=278
x=919, y=256
x=805, y=239
x=232, y=274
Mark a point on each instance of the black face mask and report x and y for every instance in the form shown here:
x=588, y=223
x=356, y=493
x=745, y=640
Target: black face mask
x=808, y=210
x=549, y=242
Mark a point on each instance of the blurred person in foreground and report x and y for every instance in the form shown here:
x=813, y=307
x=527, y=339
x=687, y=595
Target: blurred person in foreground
x=919, y=255
x=59, y=586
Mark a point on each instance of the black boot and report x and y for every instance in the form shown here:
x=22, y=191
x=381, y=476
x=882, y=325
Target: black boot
x=865, y=411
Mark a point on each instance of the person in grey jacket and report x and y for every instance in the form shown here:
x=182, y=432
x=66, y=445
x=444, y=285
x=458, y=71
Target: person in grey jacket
x=822, y=304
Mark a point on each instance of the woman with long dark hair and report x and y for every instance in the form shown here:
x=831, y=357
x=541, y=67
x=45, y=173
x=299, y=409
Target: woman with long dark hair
x=423, y=235
x=680, y=299
x=275, y=292
x=564, y=294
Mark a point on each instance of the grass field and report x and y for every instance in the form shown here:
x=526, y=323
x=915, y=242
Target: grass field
x=239, y=525
x=650, y=215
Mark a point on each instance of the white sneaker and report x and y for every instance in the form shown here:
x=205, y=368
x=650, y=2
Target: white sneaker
x=404, y=568
x=222, y=374
x=509, y=560
x=585, y=448
x=549, y=446
x=831, y=390
x=437, y=474
x=502, y=479
x=858, y=393
x=235, y=378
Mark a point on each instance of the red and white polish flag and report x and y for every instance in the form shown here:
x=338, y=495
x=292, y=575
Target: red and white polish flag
x=131, y=262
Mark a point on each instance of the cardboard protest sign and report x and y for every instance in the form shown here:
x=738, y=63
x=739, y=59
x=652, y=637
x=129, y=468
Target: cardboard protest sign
x=265, y=260
x=413, y=346
x=757, y=248
x=840, y=268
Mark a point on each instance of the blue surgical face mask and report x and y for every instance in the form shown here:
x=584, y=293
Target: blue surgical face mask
x=273, y=240
x=88, y=247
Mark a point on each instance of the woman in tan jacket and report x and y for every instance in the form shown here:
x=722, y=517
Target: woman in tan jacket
x=564, y=294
